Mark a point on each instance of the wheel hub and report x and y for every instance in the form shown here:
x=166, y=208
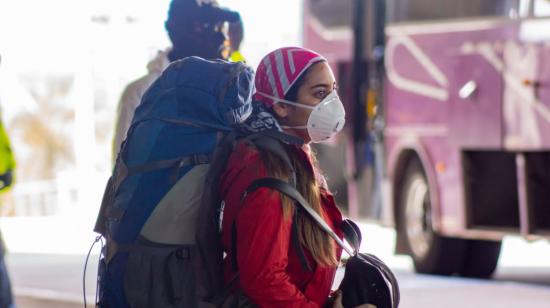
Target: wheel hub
x=418, y=216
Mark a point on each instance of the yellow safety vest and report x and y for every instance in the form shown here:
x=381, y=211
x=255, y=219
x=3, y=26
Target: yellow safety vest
x=7, y=160
x=237, y=57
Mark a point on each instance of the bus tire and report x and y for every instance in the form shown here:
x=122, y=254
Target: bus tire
x=480, y=258
x=431, y=253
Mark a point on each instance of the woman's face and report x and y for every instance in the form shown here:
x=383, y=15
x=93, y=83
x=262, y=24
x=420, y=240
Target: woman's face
x=318, y=83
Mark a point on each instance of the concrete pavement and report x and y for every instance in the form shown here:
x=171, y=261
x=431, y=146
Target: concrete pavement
x=50, y=274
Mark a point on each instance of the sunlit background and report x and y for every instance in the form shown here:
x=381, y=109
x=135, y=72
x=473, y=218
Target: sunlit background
x=64, y=66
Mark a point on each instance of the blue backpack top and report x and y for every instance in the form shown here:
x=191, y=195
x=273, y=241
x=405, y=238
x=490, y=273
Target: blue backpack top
x=175, y=127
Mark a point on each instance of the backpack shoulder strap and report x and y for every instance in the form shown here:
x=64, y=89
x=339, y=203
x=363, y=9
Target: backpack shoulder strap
x=291, y=192
x=274, y=142
x=210, y=284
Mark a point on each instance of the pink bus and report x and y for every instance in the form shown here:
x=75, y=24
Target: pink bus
x=453, y=98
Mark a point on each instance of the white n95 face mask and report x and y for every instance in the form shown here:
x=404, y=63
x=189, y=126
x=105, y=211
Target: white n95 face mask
x=325, y=120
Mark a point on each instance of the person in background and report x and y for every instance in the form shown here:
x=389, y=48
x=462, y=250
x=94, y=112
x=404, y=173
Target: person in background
x=236, y=35
x=7, y=167
x=195, y=28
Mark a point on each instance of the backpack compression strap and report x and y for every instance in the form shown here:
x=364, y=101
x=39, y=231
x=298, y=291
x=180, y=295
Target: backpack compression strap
x=176, y=164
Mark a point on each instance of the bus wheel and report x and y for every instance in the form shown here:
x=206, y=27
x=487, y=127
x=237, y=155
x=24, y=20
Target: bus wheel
x=480, y=258
x=431, y=253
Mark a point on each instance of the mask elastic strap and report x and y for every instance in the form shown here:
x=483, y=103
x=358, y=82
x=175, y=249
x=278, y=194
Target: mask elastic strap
x=284, y=101
x=294, y=127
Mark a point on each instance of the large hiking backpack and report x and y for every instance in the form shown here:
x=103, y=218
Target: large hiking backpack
x=150, y=207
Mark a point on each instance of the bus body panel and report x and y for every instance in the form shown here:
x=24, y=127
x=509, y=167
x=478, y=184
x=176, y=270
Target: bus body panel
x=459, y=95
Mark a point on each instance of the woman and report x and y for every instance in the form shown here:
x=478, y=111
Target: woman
x=296, y=94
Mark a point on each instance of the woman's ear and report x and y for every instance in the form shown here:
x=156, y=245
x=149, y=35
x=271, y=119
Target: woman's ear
x=281, y=110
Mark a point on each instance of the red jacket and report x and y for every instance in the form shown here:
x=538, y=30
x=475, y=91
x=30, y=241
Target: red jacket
x=270, y=271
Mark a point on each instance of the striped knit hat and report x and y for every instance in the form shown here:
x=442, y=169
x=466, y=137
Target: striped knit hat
x=280, y=69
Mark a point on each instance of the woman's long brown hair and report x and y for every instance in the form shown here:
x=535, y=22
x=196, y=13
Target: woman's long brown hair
x=315, y=240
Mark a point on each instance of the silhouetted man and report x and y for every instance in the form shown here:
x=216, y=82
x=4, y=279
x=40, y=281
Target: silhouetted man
x=195, y=28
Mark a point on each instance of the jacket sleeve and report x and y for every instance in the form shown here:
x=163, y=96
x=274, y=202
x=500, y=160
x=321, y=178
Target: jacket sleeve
x=263, y=241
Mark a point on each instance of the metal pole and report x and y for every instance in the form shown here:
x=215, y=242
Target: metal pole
x=368, y=30
x=531, y=11
x=358, y=71
x=356, y=144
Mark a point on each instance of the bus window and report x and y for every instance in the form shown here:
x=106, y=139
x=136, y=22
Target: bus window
x=418, y=10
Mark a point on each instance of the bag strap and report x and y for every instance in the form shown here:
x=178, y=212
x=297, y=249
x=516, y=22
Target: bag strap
x=388, y=275
x=352, y=234
x=197, y=159
x=115, y=213
x=184, y=252
x=351, y=231
x=211, y=287
x=291, y=192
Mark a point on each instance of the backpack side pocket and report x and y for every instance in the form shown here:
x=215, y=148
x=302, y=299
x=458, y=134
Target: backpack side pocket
x=160, y=276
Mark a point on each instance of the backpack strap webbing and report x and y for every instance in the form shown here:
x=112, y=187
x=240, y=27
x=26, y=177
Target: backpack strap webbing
x=175, y=164
x=197, y=159
x=211, y=256
x=114, y=213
